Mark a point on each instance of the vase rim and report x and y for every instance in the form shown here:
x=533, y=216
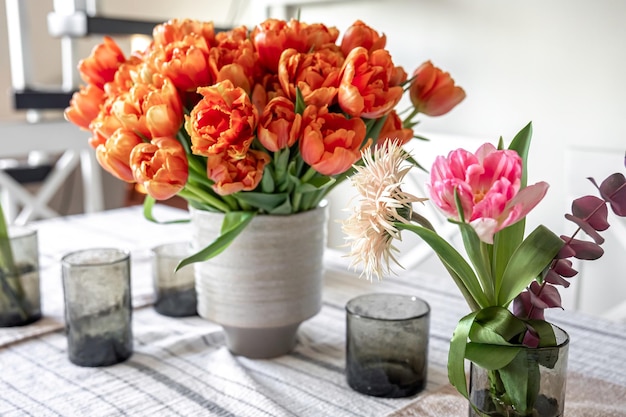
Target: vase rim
x=564, y=336
x=323, y=204
x=87, y=257
x=18, y=232
x=421, y=309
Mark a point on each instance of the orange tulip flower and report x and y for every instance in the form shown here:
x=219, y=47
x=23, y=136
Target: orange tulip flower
x=316, y=74
x=114, y=154
x=152, y=110
x=330, y=142
x=318, y=36
x=184, y=62
x=223, y=121
x=273, y=36
x=393, y=130
x=433, y=91
x=236, y=174
x=265, y=90
x=85, y=105
x=160, y=166
x=175, y=30
x=100, y=67
x=279, y=125
x=234, y=59
x=360, y=34
x=365, y=89
x=104, y=125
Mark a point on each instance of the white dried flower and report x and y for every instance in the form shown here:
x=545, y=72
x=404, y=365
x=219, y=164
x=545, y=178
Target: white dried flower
x=370, y=229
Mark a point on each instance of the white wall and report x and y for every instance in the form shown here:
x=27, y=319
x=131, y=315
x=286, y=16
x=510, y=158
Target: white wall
x=558, y=63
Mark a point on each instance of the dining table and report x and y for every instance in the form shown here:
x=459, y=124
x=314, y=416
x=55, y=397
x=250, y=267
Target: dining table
x=180, y=366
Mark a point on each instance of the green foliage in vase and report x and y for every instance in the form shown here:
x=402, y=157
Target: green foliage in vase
x=10, y=287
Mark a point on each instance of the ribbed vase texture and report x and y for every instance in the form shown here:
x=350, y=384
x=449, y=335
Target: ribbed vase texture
x=271, y=274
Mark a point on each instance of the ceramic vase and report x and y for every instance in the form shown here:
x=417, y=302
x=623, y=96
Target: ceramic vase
x=266, y=283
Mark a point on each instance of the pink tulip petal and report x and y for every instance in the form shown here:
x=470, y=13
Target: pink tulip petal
x=485, y=229
x=524, y=202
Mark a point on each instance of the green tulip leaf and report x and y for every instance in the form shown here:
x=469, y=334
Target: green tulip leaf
x=491, y=357
x=315, y=184
x=464, y=276
x=457, y=352
x=285, y=208
x=267, y=202
x=506, y=242
x=6, y=252
x=267, y=181
x=300, y=105
x=148, y=206
x=521, y=145
x=497, y=326
x=479, y=253
x=545, y=332
x=234, y=223
x=521, y=380
x=532, y=256
x=12, y=291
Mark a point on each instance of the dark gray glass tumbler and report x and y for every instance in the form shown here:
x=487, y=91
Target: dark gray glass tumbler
x=96, y=286
x=387, y=344
x=175, y=291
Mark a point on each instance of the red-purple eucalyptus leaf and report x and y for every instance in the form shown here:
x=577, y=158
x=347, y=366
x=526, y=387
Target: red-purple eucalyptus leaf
x=613, y=190
x=583, y=249
x=521, y=305
x=564, y=268
x=531, y=339
x=566, y=251
x=593, y=210
x=544, y=296
x=554, y=278
x=587, y=228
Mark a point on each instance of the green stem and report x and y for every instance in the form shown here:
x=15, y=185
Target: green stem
x=308, y=175
x=203, y=196
x=8, y=260
x=422, y=221
x=295, y=201
x=407, y=121
x=11, y=294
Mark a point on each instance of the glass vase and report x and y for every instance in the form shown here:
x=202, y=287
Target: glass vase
x=387, y=344
x=175, y=291
x=19, y=279
x=537, y=374
x=98, y=308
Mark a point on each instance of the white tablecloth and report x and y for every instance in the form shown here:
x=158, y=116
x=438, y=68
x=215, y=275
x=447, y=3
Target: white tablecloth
x=180, y=366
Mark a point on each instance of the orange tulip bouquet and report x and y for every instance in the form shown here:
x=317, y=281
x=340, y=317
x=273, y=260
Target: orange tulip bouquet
x=246, y=122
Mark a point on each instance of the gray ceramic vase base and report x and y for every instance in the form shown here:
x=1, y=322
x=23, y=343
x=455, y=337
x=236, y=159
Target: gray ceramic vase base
x=261, y=343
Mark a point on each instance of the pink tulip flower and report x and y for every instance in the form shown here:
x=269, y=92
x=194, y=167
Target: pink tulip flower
x=488, y=185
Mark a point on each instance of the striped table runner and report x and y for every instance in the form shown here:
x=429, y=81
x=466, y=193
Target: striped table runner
x=180, y=366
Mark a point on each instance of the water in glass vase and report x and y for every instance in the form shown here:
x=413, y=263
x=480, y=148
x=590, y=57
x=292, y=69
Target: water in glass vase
x=384, y=379
x=544, y=407
x=19, y=297
x=176, y=302
x=99, y=340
